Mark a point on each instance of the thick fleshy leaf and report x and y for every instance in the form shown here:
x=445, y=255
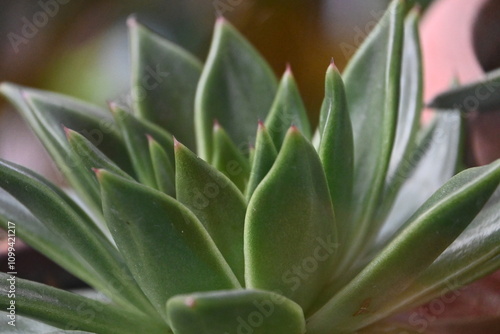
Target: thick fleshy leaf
x=67, y=310
x=336, y=150
x=135, y=132
x=263, y=159
x=14, y=215
x=372, y=88
x=243, y=311
x=468, y=258
x=290, y=236
x=287, y=110
x=237, y=87
x=217, y=203
x=439, y=222
x=411, y=98
x=163, y=167
x=89, y=156
x=47, y=113
x=86, y=239
x=483, y=95
x=164, y=80
x=404, y=154
x=433, y=162
x=26, y=325
x=229, y=159
x=164, y=245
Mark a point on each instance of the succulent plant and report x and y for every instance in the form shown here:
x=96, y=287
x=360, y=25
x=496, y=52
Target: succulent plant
x=267, y=228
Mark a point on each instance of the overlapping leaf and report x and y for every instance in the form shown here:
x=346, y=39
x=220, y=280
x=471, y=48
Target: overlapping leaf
x=164, y=80
x=237, y=87
x=164, y=245
x=290, y=235
x=251, y=311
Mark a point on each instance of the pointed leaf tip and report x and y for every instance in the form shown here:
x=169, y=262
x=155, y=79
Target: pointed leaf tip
x=67, y=131
x=132, y=21
x=150, y=138
x=261, y=125
x=217, y=125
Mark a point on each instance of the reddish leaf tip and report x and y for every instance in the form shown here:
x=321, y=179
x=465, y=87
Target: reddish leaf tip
x=67, y=131
x=150, y=138
x=190, y=302
x=132, y=21
x=177, y=144
x=261, y=125
x=216, y=125
x=288, y=69
x=98, y=172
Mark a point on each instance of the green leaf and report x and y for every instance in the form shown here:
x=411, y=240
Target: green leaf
x=336, y=150
x=164, y=80
x=483, y=95
x=59, y=217
x=263, y=159
x=244, y=311
x=164, y=245
x=372, y=88
x=287, y=110
x=228, y=158
x=290, y=236
x=410, y=105
x=70, y=311
x=47, y=112
x=32, y=231
x=135, y=132
x=474, y=254
x=26, y=325
x=237, y=87
x=163, y=167
x=439, y=222
x=217, y=203
x=89, y=156
x=433, y=162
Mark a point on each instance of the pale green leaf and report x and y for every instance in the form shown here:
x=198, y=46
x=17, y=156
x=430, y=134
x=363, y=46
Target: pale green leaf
x=242, y=311
x=135, y=132
x=438, y=223
x=67, y=310
x=372, y=89
x=59, y=217
x=336, y=151
x=287, y=110
x=217, y=203
x=229, y=159
x=262, y=159
x=163, y=167
x=165, y=246
x=164, y=80
x=47, y=113
x=290, y=236
x=237, y=87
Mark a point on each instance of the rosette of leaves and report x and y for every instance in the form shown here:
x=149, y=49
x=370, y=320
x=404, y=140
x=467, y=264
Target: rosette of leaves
x=267, y=228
